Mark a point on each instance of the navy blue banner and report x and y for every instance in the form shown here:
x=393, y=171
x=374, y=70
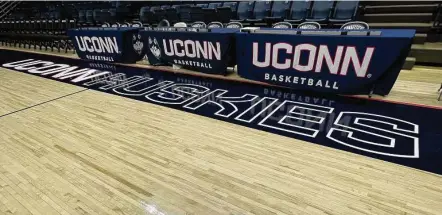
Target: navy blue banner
x=207, y=52
x=341, y=64
x=119, y=45
x=402, y=134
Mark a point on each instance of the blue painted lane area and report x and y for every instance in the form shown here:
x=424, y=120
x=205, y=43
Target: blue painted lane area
x=398, y=133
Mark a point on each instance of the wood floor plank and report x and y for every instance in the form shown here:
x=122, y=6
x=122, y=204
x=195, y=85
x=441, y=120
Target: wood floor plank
x=185, y=163
x=96, y=153
x=19, y=90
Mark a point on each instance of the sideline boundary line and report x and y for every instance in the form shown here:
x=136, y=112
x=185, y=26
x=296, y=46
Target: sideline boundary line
x=54, y=99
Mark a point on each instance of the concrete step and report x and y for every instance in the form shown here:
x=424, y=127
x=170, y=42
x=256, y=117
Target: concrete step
x=409, y=63
x=383, y=3
x=420, y=39
x=398, y=17
x=421, y=8
x=420, y=27
x=427, y=53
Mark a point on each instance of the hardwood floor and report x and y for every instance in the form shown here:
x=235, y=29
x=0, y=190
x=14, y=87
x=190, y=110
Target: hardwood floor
x=79, y=151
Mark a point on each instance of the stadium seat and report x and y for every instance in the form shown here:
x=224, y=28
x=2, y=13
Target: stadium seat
x=113, y=13
x=260, y=11
x=309, y=26
x=154, y=8
x=90, y=17
x=214, y=5
x=198, y=25
x=196, y=14
x=215, y=25
x=180, y=25
x=137, y=24
x=355, y=25
x=184, y=13
x=282, y=25
x=320, y=11
x=234, y=25
x=171, y=15
x=158, y=14
x=203, y=5
x=177, y=8
x=224, y=14
x=81, y=16
x=227, y=11
x=298, y=11
x=344, y=11
x=244, y=11
x=210, y=13
x=122, y=13
x=164, y=7
x=164, y=23
x=279, y=11
x=97, y=17
x=125, y=25
x=146, y=16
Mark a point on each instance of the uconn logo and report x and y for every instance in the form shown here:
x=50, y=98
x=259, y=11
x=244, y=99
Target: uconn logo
x=192, y=49
x=97, y=44
x=286, y=56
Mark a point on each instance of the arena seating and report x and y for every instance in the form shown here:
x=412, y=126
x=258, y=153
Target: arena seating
x=320, y=11
x=298, y=12
x=54, y=18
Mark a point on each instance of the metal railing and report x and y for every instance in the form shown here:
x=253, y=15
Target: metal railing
x=438, y=20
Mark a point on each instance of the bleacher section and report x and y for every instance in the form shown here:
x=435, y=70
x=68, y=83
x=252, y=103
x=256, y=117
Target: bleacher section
x=52, y=19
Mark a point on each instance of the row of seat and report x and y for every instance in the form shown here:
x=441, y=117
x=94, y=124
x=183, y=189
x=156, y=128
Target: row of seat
x=254, y=12
x=42, y=34
x=50, y=27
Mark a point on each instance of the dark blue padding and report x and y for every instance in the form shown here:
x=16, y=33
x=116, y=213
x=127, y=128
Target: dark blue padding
x=244, y=11
x=344, y=11
x=260, y=11
x=298, y=11
x=320, y=11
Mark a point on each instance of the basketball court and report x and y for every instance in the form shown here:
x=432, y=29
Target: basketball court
x=68, y=149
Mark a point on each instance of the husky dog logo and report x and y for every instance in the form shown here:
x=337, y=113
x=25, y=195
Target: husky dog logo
x=155, y=47
x=137, y=43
